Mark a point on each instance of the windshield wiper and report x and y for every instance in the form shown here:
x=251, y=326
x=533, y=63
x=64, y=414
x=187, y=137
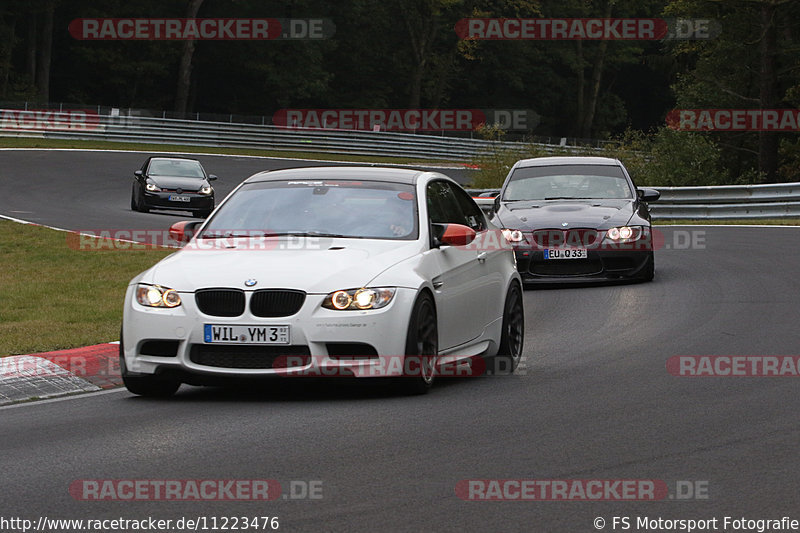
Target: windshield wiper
x=568, y=198
x=311, y=234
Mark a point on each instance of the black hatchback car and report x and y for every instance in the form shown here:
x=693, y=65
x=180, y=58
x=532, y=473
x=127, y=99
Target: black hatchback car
x=175, y=183
x=576, y=219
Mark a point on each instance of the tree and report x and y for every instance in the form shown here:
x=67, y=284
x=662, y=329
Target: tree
x=753, y=63
x=185, y=66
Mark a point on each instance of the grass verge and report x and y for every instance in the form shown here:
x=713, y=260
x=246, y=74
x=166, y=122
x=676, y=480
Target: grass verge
x=54, y=297
x=40, y=142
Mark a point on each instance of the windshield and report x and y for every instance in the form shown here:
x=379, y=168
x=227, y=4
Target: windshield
x=559, y=182
x=357, y=209
x=175, y=168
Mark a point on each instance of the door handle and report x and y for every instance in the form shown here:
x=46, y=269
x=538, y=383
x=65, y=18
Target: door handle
x=482, y=257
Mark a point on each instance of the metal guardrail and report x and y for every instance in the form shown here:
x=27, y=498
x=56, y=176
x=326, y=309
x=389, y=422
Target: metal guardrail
x=722, y=202
x=141, y=129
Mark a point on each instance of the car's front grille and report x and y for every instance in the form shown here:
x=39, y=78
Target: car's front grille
x=220, y=302
x=573, y=237
x=159, y=348
x=566, y=267
x=351, y=350
x=618, y=263
x=276, y=302
x=262, y=357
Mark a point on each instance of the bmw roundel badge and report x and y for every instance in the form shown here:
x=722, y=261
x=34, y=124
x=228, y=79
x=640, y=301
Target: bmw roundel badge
x=250, y=282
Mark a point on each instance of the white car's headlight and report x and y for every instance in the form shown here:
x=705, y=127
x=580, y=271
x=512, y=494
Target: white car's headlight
x=359, y=299
x=624, y=233
x=206, y=190
x=152, y=187
x=157, y=296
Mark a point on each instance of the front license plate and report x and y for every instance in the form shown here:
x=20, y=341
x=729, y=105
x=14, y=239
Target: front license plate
x=246, y=334
x=176, y=198
x=566, y=253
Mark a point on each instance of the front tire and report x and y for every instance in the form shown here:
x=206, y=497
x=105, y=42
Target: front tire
x=512, y=338
x=422, y=343
x=145, y=385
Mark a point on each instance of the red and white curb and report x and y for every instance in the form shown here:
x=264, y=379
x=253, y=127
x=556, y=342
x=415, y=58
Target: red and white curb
x=51, y=374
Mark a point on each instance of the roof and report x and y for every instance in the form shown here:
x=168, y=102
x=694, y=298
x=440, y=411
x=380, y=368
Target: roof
x=568, y=160
x=394, y=175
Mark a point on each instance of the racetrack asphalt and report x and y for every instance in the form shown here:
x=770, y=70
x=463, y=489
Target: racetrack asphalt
x=593, y=400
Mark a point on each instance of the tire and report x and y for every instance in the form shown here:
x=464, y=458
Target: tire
x=140, y=206
x=649, y=270
x=134, y=207
x=513, y=336
x=422, y=341
x=145, y=385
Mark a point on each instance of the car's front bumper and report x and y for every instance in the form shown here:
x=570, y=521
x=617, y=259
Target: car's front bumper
x=600, y=265
x=161, y=200
x=321, y=341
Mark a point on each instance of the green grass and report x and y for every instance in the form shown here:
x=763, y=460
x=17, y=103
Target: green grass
x=39, y=142
x=789, y=221
x=54, y=296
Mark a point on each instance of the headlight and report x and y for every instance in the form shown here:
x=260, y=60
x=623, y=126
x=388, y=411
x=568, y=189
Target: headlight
x=206, y=190
x=359, y=299
x=624, y=233
x=151, y=187
x=513, y=235
x=157, y=296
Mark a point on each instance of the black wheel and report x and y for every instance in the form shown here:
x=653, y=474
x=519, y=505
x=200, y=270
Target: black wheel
x=511, y=341
x=143, y=384
x=134, y=207
x=649, y=270
x=140, y=205
x=422, y=344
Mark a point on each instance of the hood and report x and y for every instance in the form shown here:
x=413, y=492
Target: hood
x=171, y=182
x=319, y=265
x=537, y=214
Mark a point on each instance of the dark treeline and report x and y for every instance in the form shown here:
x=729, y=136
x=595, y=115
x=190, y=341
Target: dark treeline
x=406, y=54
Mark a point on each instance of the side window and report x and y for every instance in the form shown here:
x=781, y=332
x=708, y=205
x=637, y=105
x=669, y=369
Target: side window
x=443, y=206
x=472, y=212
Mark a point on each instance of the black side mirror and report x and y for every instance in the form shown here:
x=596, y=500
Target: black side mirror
x=211, y=177
x=496, y=203
x=648, y=195
x=138, y=173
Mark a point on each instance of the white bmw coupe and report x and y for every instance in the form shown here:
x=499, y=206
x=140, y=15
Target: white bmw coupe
x=327, y=271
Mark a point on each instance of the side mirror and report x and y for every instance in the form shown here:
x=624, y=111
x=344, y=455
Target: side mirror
x=182, y=232
x=497, y=203
x=138, y=173
x=211, y=177
x=453, y=234
x=648, y=195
